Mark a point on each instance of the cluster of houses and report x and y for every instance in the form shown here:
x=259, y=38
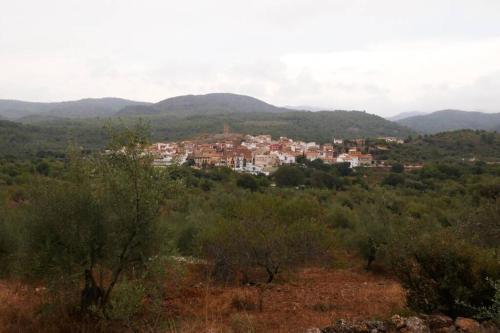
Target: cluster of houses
x=256, y=154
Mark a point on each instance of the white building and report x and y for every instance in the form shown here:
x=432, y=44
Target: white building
x=346, y=158
x=338, y=141
x=284, y=158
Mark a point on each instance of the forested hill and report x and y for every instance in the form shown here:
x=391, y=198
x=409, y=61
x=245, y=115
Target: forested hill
x=84, y=108
x=22, y=140
x=54, y=134
x=449, y=120
x=217, y=103
x=303, y=125
x=455, y=145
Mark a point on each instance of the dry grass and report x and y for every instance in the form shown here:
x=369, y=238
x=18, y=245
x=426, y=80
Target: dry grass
x=18, y=307
x=315, y=297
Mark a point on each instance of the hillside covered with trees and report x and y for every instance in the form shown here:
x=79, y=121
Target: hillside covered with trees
x=84, y=108
x=450, y=120
x=54, y=134
x=462, y=145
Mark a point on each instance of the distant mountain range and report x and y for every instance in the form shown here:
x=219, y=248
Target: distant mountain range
x=181, y=116
x=84, y=108
x=195, y=114
x=50, y=126
x=217, y=103
x=307, y=108
x=404, y=115
x=27, y=128
x=449, y=120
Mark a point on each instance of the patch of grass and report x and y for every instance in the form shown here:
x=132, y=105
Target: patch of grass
x=243, y=323
x=243, y=303
x=323, y=307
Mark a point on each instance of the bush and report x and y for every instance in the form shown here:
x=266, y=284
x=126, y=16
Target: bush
x=344, y=169
x=43, y=168
x=323, y=179
x=265, y=232
x=127, y=301
x=248, y=182
x=397, y=168
x=442, y=272
x=491, y=311
x=394, y=179
x=289, y=176
x=341, y=217
x=10, y=238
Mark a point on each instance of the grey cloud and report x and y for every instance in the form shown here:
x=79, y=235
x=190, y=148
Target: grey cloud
x=150, y=50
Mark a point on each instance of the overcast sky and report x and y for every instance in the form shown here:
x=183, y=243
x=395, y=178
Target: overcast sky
x=384, y=57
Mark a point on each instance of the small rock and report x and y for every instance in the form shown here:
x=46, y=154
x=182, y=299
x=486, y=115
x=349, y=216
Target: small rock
x=343, y=326
x=439, y=321
x=415, y=325
x=313, y=330
x=489, y=327
x=361, y=327
x=377, y=325
x=449, y=329
x=467, y=325
x=398, y=321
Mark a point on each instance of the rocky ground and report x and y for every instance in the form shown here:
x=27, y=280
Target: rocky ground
x=414, y=324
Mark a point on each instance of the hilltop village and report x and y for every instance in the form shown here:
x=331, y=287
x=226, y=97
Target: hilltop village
x=260, y=153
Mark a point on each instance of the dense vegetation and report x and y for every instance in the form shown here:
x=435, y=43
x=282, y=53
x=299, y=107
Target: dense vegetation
x=209, y=104
x=463, y=145
x=100, y=229
x=300, y=125
x=451, y=120
x=53, y=135
x=23, y=140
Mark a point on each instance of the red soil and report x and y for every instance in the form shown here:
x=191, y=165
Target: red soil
x=313, y=298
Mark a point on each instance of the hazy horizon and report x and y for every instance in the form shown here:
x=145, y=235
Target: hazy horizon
x=384, y=57
x=313, y=108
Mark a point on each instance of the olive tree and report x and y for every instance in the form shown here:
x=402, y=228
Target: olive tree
x=268, y=233
x=101, y=221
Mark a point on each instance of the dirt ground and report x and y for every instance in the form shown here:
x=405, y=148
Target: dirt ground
x=314, y=297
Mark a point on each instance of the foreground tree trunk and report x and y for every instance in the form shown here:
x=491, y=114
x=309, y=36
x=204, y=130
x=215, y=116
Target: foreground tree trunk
x=92, y=294
x=271, y=273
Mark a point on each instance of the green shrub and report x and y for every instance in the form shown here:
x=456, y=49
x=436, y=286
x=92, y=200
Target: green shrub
x=10, y=239
x=248, y=182
x=127, y=300
x=341, y=217
x=265, y=232
x=440, y=272
x=394, y=179
x=397, y=168
x=289, y=176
